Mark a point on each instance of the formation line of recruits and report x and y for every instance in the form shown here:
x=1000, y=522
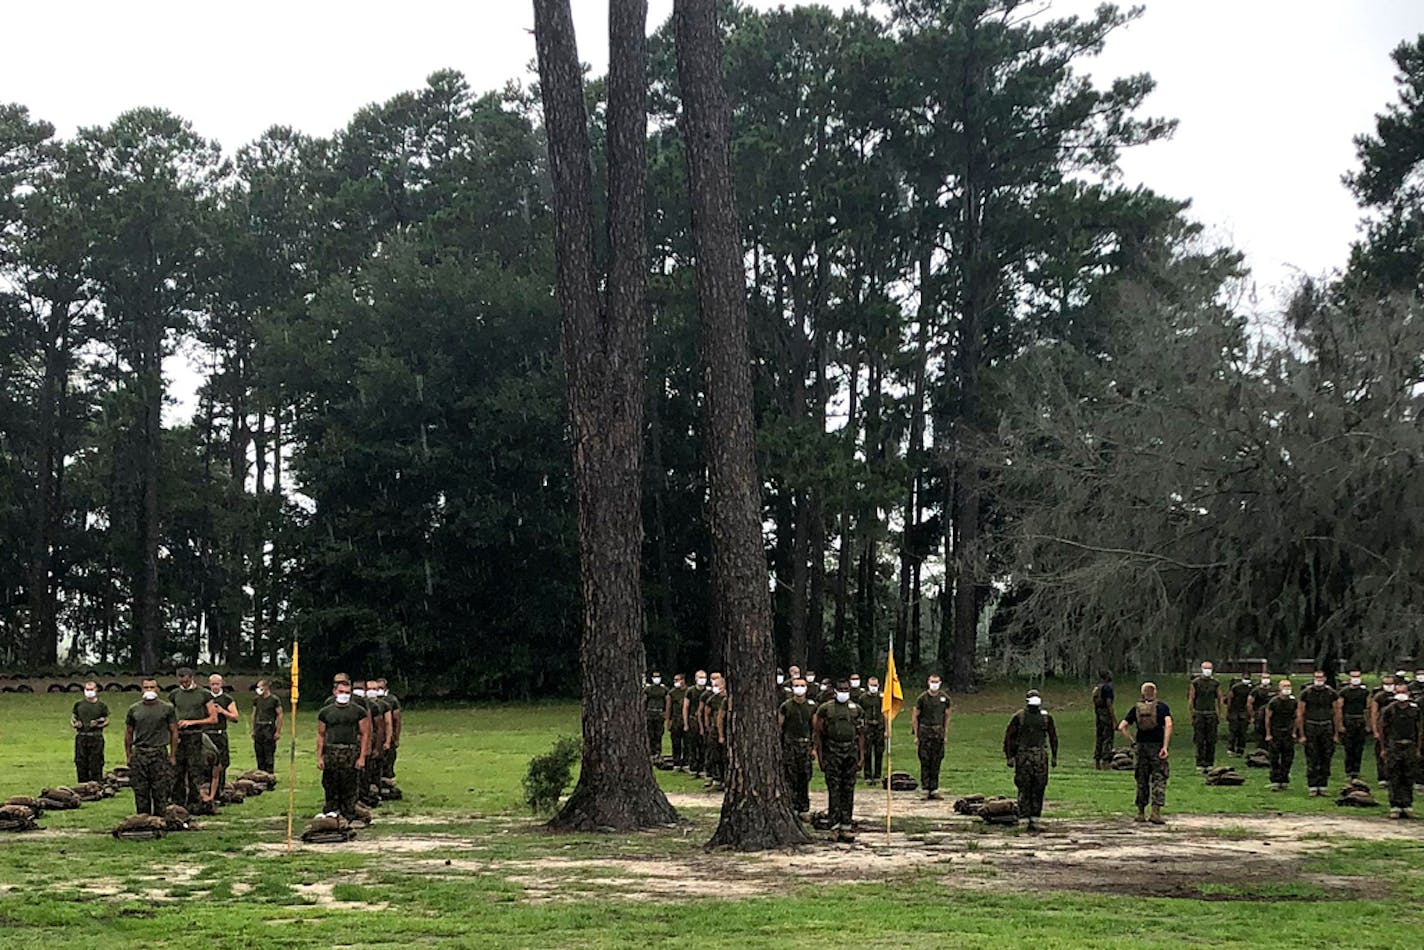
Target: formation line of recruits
x=839, y=726
x=1321, y=718
x=178, y=750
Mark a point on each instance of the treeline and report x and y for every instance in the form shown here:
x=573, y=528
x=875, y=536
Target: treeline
x=1010, y=412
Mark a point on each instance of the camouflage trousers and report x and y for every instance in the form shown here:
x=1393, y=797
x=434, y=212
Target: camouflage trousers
x=679, y=743
x=224, y=749
x=796, y=765
x=264, y=745
x=339, y=779
x=1258, y=728
x=1103, y=729
x=388, y=762
x=839, y=762
x=1319, y=751
x=368, y=779
x=1282, y=748
x=1031, y=779
x=1403, y=763
x=874, y=749
x=1236, y=733
x=655, y=735
x=89, y=756
x=150, y=777
x=714, y=757
x=192, y=772
x=1151, y=772
x=695, y=750
x=1205, y=727
x=931, y=750
x=1355, y=734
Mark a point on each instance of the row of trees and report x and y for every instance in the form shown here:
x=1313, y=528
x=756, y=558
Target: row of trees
x=1006, y=409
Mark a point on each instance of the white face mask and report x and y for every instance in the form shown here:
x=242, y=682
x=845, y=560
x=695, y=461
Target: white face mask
x=343, y=698
x=855, y=684
x=1035, y=700
x=1206, y=671
x=1285, y=690
x=1265, y=682
x=843, y=697
x=215, y=690
x=1354, y=681
x=780, y=679
x=261, y=691
x=1401, y=695
x=359, y=692
x=716, y=688
x=934, y=687
x=90, y=693
x=798, y=690
x=1419, y=677
x=150, y=695
x=657, y=681
x=1319, y=682
x=874, y=690
x=810, y=677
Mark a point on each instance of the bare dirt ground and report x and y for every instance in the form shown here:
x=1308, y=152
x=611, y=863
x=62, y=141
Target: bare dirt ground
x=1200, y=856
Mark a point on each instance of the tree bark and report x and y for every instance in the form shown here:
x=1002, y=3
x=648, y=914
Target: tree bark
x=605, y=360
x=44, y=627
x=757, y=811
x=910, y=557
x=816, y=519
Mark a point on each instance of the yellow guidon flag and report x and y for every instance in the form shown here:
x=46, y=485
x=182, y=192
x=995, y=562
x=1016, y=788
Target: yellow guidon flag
x=892, y=700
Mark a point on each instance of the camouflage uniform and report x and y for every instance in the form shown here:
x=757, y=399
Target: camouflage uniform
x=873, y=725
x=694, y=740
x=1282, y=738
x=1236, y=718
x=388, y=759
x=714, y=753
x=1206, y=722
x=339, y=779
x=1355, y=701
x=796, y=751
x=1026, y=745
x=655, y=696
x=1260, y=696
x=840, y=758
x=1400, y=724
x=1104, y=724
x=1319, y=702
x=675, y=730
x=264, y=731
x=191, y=772
x=218, y=732
x=89, y=740
x=150, y=775
x=1152, y=771
x=930, y=737
x=1381, y=698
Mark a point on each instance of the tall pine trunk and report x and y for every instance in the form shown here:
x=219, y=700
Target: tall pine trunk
x=907, y=612
x=146, y=614
x=605, y=361
x=44, y=627
x=757, y=809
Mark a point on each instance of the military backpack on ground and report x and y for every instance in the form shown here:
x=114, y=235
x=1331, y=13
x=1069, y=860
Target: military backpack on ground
x=1000, y=811
x=17, y=818
x=1260, y=759
x=1356, y=794
x=140, y=828
x=328, y=830
x=900, y=782
x=1224, y=775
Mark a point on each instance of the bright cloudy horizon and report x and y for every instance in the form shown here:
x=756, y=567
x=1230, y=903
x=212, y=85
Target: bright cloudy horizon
x=1268, y=93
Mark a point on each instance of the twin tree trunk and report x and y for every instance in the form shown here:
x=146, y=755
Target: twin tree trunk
x=757, y=810
x=605, y=357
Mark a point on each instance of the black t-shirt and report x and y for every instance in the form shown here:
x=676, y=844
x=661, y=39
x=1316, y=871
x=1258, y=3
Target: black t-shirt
x=1151, y=736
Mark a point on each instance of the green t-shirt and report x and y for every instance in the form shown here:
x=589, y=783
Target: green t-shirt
x=677, y=694
x=1208, y=688
x=225, y=701
x=88, y=714
x=840, y=722
x=654, y=694
x=932, y=708
x=190, y=703
x=1319, y=703
x=151, y=724
x=1236, y=702
x=870, y=708
x=1282, y=709
x=1400, y=721
x=343, y=723
x=796, y=721
x=264, y=709
x=1355, y=701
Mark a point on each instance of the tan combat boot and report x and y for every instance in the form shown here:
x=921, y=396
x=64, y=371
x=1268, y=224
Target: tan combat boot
x=1141, y=815
x=1156, y=817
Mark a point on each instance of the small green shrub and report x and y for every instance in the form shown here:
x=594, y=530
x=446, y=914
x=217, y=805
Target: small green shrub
x=549, y=774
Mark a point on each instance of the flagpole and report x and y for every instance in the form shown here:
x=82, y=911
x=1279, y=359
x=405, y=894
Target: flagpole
x=292, y=754
x=889, y=740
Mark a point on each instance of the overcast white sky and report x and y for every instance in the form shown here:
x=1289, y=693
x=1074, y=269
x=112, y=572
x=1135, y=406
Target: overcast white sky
x=1268, y=92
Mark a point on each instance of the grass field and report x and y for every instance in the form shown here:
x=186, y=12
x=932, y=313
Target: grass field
x=459, y=863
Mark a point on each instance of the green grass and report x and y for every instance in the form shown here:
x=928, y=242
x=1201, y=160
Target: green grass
x=462, y=766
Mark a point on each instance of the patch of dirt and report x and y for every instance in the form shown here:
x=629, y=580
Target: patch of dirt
x=368, y=844
x=321, y=894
